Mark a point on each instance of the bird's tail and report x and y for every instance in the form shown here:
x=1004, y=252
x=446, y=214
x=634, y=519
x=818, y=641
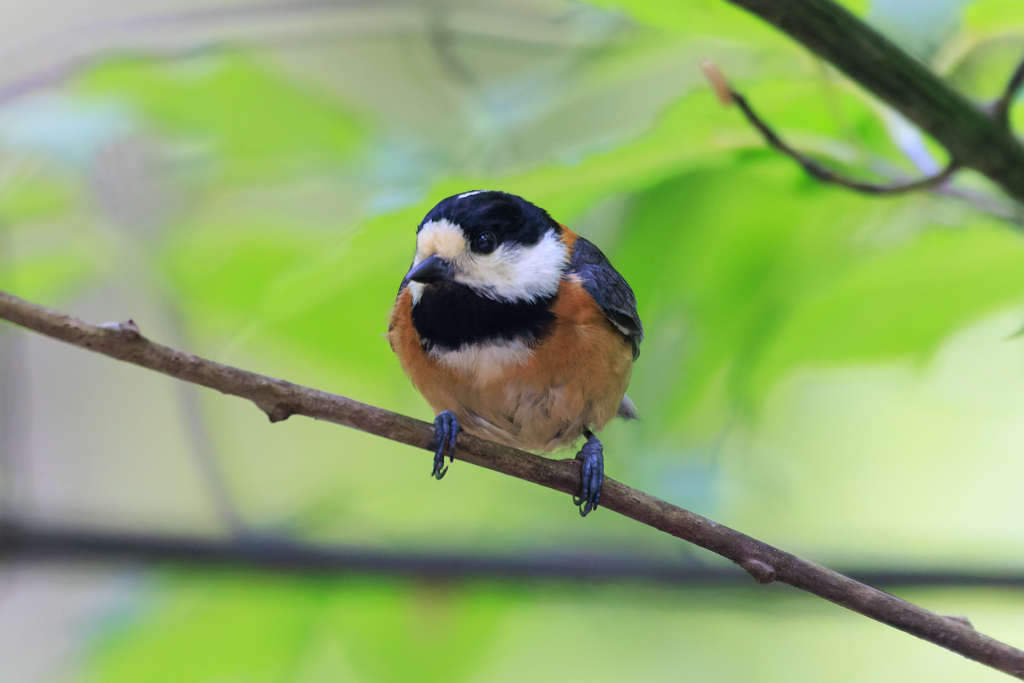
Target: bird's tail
x=627, y=411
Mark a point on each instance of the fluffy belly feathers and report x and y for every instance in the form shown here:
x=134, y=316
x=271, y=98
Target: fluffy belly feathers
x=537, y=398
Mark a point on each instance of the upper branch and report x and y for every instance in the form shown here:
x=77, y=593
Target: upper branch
x=280, y=399
x=727, y=96
x=974, y=139
x=1001, y=107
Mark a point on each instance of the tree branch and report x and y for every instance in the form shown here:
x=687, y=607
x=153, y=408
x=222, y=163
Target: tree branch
x=727, y=96
x=972, y=137
x=1001, y=107
x=22, y=542
x=280, y=399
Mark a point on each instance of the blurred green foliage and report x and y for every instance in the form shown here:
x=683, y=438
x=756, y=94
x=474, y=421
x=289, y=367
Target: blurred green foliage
x=238, y=627
x=258, y=125
x=287, y=220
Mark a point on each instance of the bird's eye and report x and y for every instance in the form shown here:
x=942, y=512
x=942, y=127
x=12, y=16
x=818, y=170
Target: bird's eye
x=485, y=243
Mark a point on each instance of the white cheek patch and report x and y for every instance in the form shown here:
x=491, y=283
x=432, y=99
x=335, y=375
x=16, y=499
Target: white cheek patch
x=516, y=272
x=511, y=273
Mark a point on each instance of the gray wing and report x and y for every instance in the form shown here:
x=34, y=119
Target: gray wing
x=609, y=289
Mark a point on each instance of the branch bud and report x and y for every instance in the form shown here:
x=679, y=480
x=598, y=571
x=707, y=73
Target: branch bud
x=717, y=81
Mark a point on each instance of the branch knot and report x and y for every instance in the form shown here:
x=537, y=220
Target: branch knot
x=762, y=572
x=276, y=411
x=127, y=330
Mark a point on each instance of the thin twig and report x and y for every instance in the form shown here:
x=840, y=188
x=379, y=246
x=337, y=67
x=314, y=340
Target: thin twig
x=204, y=450
x=968, y=132
x=1001, y=107
x=280, y=399
x=15, y=413
x=727, y=96
x=10, y=363
x=828, y=176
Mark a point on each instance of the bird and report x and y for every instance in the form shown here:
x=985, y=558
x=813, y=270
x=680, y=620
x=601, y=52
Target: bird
x=516, y=330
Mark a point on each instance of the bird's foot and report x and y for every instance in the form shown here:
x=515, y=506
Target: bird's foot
x=591, y=475
x=446, y=428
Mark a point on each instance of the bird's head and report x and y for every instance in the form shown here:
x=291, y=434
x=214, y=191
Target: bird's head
x=497, y=244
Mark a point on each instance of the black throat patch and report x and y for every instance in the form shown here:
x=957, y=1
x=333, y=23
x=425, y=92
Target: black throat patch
x=450, y=315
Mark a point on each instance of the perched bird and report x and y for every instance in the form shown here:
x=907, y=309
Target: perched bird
x=516, y=330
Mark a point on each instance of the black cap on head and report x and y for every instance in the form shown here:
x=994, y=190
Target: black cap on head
x=508, y=217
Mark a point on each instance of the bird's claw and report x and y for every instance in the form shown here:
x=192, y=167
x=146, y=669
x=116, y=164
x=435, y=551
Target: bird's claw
x=591, y=476
x=446, y=428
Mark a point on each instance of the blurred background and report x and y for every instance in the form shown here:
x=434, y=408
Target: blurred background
x=838, y=375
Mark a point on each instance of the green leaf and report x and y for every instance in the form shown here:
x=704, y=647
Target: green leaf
x=439, y=631
x=228, y=268
x=700, y=17
x=34, y=197
x=48, y=262
x=234, y=627
x=223, y=628
x=254, y=123
x=768, y=272
x=992, y=17
x=900, y=302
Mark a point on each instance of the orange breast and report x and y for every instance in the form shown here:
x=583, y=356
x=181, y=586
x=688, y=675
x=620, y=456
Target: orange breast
x=539, y=398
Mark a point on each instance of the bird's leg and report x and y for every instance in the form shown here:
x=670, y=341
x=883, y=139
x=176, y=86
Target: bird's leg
x=446, y=428
x=591, y=474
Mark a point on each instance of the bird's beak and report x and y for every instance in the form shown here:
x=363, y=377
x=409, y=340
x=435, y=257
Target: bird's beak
x=430, y=269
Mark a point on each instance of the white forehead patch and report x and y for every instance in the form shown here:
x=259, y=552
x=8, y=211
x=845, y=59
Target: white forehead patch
x=469, y=194
x=442, y=238
x=513, y=272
